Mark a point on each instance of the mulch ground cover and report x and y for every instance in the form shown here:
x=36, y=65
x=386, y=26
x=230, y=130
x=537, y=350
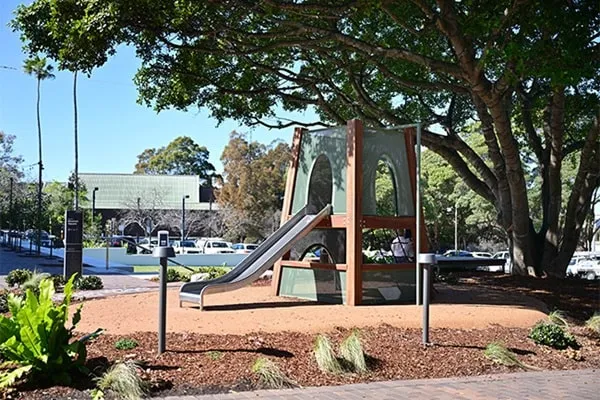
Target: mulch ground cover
x=204, y=364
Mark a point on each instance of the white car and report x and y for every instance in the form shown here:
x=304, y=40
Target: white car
x=244, y=248
x=214, y=246
x=587, y=267
x=185, y=247
x=481, y=254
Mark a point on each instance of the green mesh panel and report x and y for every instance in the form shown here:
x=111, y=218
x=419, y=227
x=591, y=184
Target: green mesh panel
x=314, y=284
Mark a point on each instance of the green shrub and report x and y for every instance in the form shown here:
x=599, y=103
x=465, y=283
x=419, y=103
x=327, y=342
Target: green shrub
x=124, y=381
x=594, y=323
x=89, y=282
x=33, y=283
x=499, y=354
x=173, y=275
x=325, y=356
x=17, y=277
x=214, y=355
x=270, y=376
x=4, y=301
x=352, y=352
x=552, y=335
x=35, y=341
x=214, y=272
x=126, y=344
x=59, y=281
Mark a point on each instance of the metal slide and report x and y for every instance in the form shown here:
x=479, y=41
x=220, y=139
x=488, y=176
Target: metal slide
x=259, y=261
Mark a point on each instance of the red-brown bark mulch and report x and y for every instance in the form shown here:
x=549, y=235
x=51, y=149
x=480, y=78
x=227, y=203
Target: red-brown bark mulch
x=200, y=364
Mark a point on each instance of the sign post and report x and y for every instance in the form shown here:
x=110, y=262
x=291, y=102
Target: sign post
x=73, y=260
x=163, y=251
x=426, y=260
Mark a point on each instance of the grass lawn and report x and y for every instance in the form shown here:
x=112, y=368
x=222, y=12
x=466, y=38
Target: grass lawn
x=151, y=269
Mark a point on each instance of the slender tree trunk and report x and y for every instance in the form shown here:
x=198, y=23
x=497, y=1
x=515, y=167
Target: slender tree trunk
x=41, y=167
x=76, y=141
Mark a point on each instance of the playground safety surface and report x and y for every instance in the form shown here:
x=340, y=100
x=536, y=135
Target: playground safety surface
x=216, y=351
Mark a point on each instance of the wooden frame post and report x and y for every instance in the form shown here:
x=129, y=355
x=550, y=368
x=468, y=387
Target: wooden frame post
x=288, y=197
x=354, y=188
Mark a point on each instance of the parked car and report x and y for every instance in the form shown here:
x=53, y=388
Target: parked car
x=458, y=253
x=213, y=246
x=244, y=248
x=481, y=254
x=585, y=266
x=185, y=247
x=146, y=245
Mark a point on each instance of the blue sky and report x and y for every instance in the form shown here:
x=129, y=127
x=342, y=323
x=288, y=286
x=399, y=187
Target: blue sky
x=113, y=128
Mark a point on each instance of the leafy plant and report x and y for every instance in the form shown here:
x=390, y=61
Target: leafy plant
x=90, y=282
x=34, y=339
x=558, y=317
x=124, y=381
x=173, y=275
x=126, y=344
x=594, y=323
x=325, y=356
x=499, y=354
x=214, y=355
x=59, y=281
x=351, y=350
x=214, y=272
x=17, y=277
x=270, y=375
x=552, y=335
x=4, y=301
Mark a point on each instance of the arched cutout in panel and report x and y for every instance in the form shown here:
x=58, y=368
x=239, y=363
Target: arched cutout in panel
x=386, y=196
x=317, y=253
x=320, y=186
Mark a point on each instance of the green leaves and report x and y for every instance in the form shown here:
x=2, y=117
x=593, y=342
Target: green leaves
x=35, y=337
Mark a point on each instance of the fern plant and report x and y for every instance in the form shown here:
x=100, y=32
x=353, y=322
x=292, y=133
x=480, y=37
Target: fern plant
x=34, y=340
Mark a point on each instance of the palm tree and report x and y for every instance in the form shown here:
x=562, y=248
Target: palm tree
x=76, y=141
x=41, y=70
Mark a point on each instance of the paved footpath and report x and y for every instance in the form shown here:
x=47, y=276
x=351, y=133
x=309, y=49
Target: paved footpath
x=546, y=385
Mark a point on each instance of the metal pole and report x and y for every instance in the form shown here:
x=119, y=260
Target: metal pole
x=456, y=227
x=10, y=206
x=162, y=309
x=426, y=279
x=418, y=212
x=183, y=218
x=93, y=204
x=107, y=250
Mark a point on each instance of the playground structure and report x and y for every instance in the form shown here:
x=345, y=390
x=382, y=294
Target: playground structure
x=330, y=198
x=338, y=166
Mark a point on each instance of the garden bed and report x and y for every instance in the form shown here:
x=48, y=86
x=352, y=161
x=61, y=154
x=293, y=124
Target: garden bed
x=201, y=364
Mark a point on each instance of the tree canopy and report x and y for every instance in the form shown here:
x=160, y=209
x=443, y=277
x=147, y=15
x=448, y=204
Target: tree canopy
x=182, y=156
x=527, y=70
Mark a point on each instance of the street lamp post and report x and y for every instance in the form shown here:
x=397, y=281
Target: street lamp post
x=456, y=226
x=187, y=196
x=94, y=203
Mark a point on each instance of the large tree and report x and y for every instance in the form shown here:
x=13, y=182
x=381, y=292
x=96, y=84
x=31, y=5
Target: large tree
x=251, y=194
x=10, y=175
x=526, y=69
x=182, y=156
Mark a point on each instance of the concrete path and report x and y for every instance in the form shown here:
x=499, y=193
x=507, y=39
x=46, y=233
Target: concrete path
x=578, y=384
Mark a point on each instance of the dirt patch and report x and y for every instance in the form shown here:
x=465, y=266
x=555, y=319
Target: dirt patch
x=254, y=309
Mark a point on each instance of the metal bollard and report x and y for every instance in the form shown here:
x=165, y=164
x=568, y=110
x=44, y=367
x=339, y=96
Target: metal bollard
x=426, y=260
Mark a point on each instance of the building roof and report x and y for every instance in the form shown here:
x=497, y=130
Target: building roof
x=121, y=191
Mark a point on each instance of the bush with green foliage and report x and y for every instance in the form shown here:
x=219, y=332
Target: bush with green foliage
x=173, y=275
x=59, y=281
x=126, y=344
x=17, y=277
x=89, y=282
x=270, y=376
x=4, y=301
x=33, y=283
x=552, y=335
x=123, y=380
x=34, y=340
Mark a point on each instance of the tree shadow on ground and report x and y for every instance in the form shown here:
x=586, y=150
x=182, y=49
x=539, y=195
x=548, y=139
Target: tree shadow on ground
x=266, y=351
